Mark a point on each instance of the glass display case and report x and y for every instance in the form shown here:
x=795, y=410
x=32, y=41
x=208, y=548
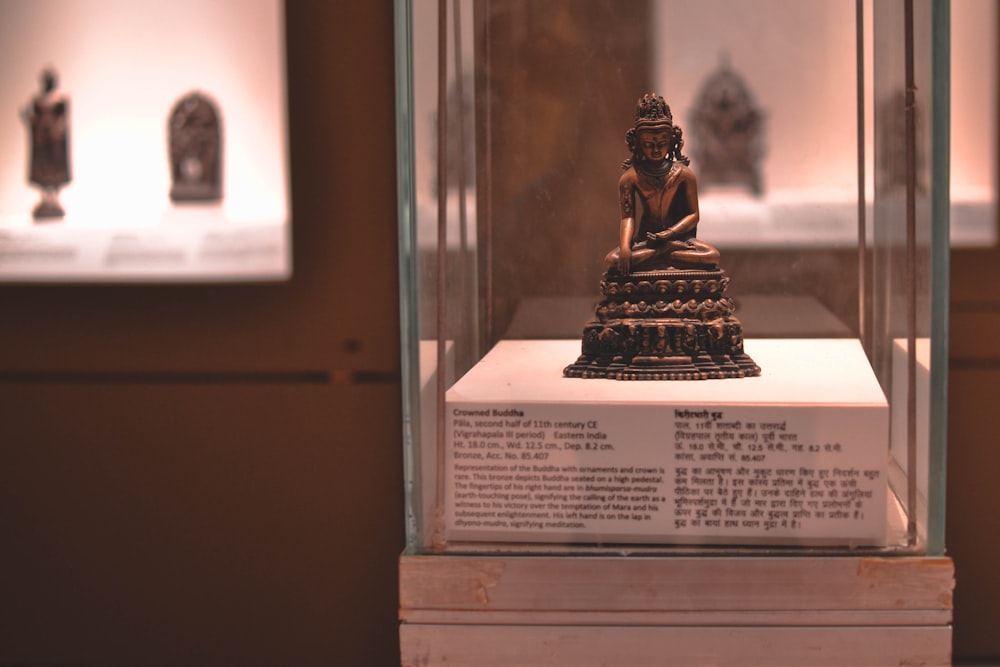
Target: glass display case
x=771, y=387
x=832, y=226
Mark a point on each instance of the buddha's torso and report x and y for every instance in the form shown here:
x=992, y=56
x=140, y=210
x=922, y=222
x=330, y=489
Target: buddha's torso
x=663, y=202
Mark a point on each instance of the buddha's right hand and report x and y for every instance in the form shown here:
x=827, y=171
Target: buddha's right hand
x=625, y=260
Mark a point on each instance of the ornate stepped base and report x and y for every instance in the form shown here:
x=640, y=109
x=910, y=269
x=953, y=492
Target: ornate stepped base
x=664, y=325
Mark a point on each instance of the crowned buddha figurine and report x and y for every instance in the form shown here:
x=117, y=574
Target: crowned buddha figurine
x=664, y=313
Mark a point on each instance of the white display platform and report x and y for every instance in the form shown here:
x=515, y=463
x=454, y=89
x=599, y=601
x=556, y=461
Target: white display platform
x=197, y=245
x=797, y=456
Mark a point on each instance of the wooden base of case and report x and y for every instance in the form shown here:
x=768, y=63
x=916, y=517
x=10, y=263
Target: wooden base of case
x=640, y=611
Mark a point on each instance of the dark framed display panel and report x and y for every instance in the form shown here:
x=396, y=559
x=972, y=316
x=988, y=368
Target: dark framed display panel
x=175, y=137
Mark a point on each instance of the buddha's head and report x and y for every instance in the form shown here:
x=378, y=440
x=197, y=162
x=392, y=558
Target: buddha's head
x=48, y=79
x=653, y=137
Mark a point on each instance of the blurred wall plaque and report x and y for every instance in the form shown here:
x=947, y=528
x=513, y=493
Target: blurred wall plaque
x=195, y=150
x=728, y=130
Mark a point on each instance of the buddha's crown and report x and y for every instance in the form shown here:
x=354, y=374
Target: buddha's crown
x=652, y=111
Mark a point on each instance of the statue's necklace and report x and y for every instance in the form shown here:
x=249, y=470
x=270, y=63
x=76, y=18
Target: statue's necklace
x=658, y=173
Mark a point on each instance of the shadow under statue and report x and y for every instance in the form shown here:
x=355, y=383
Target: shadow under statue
x=664, y=315
x=47, y=117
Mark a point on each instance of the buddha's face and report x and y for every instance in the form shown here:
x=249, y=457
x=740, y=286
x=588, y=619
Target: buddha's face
x=654, y=144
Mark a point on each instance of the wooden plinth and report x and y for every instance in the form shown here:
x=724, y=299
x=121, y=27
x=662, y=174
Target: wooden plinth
x=662, y=611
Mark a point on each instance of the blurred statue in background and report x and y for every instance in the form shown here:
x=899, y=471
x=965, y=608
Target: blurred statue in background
x=729, y=132
x=47, y=117
x=664, y=315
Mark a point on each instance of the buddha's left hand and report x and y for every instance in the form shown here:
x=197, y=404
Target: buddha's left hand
x=658, y=238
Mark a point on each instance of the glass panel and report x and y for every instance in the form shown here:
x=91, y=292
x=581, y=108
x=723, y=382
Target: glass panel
x=910, y=244
x=940, y=210
x=438, y=242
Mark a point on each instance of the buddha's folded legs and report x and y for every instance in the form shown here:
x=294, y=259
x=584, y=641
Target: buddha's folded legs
x=689, y=253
